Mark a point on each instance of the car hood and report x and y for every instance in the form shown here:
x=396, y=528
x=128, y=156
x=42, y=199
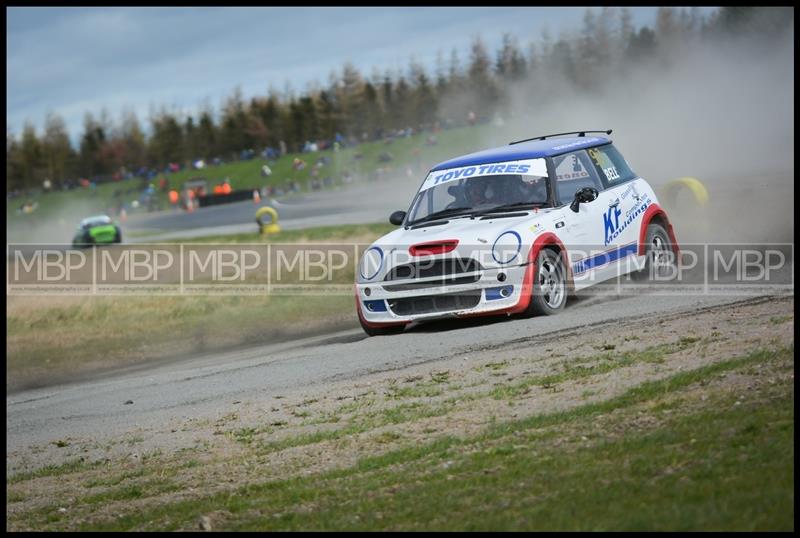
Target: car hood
x=475, y=236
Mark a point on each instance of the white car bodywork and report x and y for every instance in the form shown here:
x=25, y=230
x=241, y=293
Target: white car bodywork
x=601, y=241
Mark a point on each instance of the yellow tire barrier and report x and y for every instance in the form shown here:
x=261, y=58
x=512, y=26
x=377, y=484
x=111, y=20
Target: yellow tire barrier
x=270, y=227
x=698, y=190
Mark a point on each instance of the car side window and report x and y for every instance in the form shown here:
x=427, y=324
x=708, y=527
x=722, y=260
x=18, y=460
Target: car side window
x=574, y=171
x=611, y=165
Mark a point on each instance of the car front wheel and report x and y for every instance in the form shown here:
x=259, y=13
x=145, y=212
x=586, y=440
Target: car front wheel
x=549, y=293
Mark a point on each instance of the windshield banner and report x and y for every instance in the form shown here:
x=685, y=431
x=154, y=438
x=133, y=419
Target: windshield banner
x=529, y=167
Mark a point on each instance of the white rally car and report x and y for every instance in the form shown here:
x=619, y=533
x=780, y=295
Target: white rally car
x=513, y=230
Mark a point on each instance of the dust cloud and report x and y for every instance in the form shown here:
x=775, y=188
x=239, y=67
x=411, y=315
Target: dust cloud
x=49, y=225
x=723, y=113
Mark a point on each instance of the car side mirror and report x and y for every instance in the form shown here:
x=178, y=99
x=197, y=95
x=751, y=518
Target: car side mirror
x=397, y=217
x=583, y=196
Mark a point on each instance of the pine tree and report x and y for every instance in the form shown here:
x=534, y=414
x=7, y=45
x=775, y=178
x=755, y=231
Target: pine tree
x=57, y=148
x=31, y=154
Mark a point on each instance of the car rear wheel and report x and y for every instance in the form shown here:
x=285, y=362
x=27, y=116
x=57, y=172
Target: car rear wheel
x=659, y=256
x=549, y=293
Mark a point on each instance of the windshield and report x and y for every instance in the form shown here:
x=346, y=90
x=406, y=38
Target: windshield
x=454, y=195
x=95, y=221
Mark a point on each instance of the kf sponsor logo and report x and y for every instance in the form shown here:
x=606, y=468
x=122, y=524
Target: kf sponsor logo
x=611, y=222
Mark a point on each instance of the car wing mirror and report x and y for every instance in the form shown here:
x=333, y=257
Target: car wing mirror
x=583, y=196
x=397, y=217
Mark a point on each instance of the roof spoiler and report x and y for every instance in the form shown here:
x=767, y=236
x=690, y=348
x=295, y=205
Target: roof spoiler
x=579, y=133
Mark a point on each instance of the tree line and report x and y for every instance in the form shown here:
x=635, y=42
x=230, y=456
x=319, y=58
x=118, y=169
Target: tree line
x=357, y=107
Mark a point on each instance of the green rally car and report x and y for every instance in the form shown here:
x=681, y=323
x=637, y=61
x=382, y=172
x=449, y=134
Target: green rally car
x=97, y=231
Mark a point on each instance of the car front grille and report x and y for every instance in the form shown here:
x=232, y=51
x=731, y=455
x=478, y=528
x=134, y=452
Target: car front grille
x=432, y=268
x=429, y=304
x=452, y=281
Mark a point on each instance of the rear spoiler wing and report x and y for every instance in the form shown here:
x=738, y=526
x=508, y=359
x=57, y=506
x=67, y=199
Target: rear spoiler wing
x=579, y=133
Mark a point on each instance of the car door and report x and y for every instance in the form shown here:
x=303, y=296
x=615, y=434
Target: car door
x=586, y=232
x=631, y=197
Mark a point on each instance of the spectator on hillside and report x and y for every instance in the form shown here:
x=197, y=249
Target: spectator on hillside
x=266, y=171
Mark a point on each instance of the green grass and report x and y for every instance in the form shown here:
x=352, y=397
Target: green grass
x=419, y=390
x=598, y=364
x=132, y=491
x=68, y=467
x=115, y=480
x=66, y=338
x=715, y=465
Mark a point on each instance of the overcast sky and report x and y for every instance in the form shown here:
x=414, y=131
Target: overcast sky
x=74, y=60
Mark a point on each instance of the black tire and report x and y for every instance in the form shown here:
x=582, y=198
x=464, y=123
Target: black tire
x=118, y=236
x=659, y=256
x=380, y=331
x=549, y=291
x=85, y=242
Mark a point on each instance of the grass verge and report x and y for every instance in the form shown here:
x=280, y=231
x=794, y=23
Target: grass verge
x=54, y=338
x=688, y=452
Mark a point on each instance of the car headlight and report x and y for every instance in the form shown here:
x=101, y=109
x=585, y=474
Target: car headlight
x=371, y=263
x=506, y=247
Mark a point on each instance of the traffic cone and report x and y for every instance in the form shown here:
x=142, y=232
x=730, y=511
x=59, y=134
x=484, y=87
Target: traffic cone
x=123, y=215
x=256, y=197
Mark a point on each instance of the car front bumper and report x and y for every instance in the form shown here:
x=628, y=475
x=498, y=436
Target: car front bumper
x=493, y=291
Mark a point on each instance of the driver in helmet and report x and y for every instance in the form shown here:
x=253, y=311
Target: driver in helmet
x=483, y=191
x=534, y=189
